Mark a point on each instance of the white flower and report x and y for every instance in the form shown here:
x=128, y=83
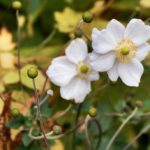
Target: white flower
x=73, y=72
x=119, y=50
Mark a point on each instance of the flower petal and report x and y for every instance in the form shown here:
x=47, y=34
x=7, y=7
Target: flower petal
x=116, y=29
x=113, y=72
x=61, y=71
x=102, y=41
x=77, y=51
x=130, y=73
x=104, y=62
x=77, y=89
x=93, y=76
x=142, y=51
x=137, y=31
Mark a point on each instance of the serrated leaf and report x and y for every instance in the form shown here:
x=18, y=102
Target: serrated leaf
x=71, y=18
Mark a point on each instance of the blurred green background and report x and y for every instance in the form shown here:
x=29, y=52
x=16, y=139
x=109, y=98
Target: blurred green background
x=47, y=26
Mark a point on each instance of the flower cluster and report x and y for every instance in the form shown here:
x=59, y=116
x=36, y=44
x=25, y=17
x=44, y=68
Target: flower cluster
x=117, y=50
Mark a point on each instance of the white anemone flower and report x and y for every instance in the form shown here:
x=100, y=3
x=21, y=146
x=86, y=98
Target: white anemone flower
x=73, y=72
x=119, y=50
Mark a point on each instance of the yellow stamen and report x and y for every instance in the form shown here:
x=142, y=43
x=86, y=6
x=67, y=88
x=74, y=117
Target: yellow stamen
x=125, y=51
x=84, y=68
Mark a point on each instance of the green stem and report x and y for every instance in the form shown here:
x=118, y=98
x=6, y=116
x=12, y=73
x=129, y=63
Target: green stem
x=39, y=116
x=76, y=121
x=141, y=132
x=120, y=128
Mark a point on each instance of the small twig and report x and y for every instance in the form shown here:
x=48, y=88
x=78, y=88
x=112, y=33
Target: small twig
x=141, y=132
x=80, y=29
x=121, y=127
x=40, y=116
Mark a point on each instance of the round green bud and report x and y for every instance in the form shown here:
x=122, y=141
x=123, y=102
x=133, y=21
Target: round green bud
x=138, y=104
x=87, y=17
x=84, y=68
x=15, y=111
x=16, y=4
x=92, y=111
x=57, y=129
x=78, y=33
x=32, y=72
x=125, y=50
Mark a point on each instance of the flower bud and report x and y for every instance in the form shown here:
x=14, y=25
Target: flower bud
x=87, y=17
x=92, y=111
x=15, y=112
x=16, y=4
x=32, y=72
x=138, y=104
x=78, y=33
x=57, y=129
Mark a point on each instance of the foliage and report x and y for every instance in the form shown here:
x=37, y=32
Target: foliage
x=47, y=26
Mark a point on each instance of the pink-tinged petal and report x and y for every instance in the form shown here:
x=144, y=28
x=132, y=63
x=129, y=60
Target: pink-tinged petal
x=77, y=89
x=61, y=71
x=130, y=73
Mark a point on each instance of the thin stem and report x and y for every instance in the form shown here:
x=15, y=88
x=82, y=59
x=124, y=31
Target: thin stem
x=18, y=53
x=94, y=120
x=80, y=29
x=40, y=116
x=120, y=128
x=141, y=132
x=87, y=120
x=44, y=86
x=62, y=113
x=47, y=40
x=54, y=137
x=76, y=120
x=18, y=45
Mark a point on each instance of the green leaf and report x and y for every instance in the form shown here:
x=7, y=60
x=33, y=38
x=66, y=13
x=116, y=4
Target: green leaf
x=11, y=77
x=45, y=109
x=16, y=122
x=2, y=87
x=26, y=139
x=17, y=95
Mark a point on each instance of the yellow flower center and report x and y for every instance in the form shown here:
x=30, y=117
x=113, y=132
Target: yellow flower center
x=125, y=51
x=83, y=69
